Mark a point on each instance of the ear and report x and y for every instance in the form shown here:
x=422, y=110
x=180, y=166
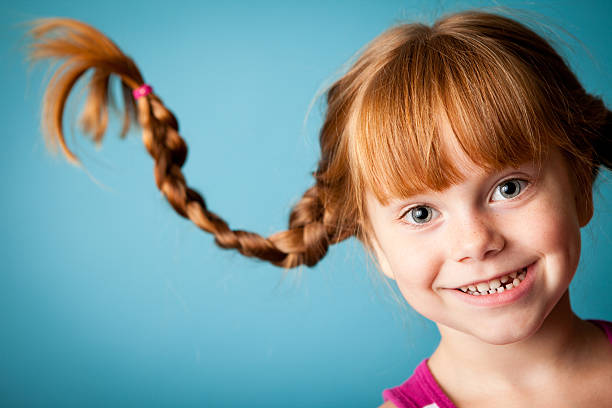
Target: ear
x=381, y=259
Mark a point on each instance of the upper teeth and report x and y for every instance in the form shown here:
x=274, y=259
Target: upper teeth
x=498, y=285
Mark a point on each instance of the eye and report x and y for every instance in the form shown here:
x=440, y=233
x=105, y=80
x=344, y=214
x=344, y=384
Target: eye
x=508, y=189
x=420, y=214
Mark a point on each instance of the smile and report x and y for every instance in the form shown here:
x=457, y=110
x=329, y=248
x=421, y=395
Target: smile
x=497, y=285
x=518, y=284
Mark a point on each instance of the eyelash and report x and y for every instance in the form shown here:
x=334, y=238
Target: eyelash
x=523, y=185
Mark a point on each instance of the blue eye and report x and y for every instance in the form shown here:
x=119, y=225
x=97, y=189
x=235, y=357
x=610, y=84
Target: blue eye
x=508, y=189
x=421, y=214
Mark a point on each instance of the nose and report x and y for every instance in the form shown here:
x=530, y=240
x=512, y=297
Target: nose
x=476, y=238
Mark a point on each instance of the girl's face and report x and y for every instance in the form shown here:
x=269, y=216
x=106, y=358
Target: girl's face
x=486, y=227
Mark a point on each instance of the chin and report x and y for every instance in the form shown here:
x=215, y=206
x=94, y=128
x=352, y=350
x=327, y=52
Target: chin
x=501, y=338
x=504, y=331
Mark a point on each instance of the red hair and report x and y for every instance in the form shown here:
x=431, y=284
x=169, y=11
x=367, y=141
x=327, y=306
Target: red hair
x=506, y=92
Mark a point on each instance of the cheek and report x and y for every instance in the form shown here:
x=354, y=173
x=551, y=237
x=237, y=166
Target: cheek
x=415, y=276
x=565, y=237
x=555, y=233
x=415, y=265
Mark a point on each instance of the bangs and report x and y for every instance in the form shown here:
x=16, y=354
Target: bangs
x=494, y=102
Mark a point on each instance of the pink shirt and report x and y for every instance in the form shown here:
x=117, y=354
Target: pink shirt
x=422, y=391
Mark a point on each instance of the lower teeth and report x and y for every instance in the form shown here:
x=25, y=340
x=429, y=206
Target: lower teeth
x=508, y=286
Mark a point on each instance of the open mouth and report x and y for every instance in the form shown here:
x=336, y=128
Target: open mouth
x=497, y=285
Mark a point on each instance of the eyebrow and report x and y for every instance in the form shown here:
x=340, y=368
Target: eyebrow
x=396, y=203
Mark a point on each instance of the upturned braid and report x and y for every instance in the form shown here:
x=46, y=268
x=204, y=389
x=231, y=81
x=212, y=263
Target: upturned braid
x=312, y=227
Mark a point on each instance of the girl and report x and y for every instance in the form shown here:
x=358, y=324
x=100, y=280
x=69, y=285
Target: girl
x=462, y=155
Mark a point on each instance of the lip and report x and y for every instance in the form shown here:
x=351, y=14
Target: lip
x=504, y=298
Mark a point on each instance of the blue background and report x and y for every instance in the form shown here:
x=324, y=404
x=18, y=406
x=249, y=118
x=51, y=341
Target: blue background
x=108, y=298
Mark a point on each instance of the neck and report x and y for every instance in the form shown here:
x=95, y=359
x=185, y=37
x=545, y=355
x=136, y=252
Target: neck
x=559, y=344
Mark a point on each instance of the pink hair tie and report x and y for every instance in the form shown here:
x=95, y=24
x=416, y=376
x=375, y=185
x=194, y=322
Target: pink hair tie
x=142, y=90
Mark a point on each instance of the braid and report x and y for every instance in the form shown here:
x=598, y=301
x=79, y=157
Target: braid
x=307, y=239
x=84, y=48
x=312, y=228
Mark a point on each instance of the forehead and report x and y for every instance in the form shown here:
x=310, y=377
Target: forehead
x=449, y=144
x=440, y=160
x=399, y=147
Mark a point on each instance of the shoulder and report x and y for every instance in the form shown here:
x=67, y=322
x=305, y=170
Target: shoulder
x=388, y=404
